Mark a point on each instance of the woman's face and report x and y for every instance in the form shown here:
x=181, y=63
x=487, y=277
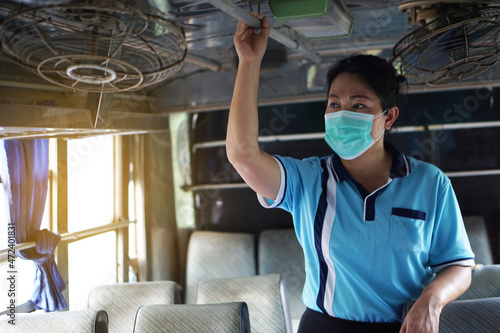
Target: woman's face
x=349, y=92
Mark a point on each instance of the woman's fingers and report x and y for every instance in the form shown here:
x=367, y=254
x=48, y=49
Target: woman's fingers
x=241, y=27
x=266, y=28
x=251, y=43
x=245, y=29
x=257, y=15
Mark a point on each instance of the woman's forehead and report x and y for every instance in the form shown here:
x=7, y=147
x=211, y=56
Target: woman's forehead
x=348, y=85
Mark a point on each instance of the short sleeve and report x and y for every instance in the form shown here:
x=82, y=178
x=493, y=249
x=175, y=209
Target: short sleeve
x=450, y=243
x=296, y=179
x=268, y=203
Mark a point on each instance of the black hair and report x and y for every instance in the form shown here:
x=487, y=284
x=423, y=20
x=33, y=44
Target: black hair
x=377, y=73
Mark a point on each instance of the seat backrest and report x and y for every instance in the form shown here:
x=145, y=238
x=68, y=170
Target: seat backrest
x=471, y=316
x=188, y=318
x=122, y=300
x=84, y=321
x=279, y=252
x=479, y=241
x=264, y=294
x=485, y=283
x=213, y=255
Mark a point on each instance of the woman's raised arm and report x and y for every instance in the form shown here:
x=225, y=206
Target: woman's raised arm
x=257, y=168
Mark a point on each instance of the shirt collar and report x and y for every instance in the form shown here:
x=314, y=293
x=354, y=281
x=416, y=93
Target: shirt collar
x=400, y=165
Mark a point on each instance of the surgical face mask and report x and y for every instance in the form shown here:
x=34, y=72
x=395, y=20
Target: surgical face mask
x=348, y=132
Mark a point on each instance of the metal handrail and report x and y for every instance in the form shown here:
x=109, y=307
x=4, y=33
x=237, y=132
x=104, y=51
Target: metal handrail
x=71, y=236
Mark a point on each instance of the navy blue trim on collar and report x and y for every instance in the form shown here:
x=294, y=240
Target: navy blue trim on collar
x=339, y=169
x=400, y=165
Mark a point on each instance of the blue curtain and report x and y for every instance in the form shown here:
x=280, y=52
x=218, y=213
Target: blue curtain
x=24, y=170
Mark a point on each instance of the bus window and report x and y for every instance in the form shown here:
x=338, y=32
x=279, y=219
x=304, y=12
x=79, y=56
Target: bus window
x=90, y=182
x=92, y=261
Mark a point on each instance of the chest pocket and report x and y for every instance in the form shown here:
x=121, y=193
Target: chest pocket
x=407, y=230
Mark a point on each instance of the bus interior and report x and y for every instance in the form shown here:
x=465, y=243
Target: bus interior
x=130, y=100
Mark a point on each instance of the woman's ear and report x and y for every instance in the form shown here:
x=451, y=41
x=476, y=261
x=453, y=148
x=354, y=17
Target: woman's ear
x=392, y=115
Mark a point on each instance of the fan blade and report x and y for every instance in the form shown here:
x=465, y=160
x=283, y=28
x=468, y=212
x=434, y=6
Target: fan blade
x=441, y=51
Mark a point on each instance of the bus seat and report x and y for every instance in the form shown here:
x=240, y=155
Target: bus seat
x=184, y=318
x=479, y=241
x=279, y=252
x=122, y=300
x=84, y=321
x=471, y=316
x=213, y=255
x=264, y=294
x=485, y=283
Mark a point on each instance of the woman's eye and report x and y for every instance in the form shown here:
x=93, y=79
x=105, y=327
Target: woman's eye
x=334, y=105
x=358, y=106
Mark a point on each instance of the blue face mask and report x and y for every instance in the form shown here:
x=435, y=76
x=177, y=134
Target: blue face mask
x=348, y=132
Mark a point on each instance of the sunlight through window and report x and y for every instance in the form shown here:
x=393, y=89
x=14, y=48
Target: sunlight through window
x=92, y=261
x=90, y=182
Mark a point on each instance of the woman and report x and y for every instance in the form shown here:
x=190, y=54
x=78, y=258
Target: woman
x=375, y=225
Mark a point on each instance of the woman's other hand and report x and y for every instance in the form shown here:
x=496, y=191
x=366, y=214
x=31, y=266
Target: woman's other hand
x=422, y=318
x=449, y=283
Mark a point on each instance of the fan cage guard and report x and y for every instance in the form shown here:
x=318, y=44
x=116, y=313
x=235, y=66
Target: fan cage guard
x=106, y=47
x=450, y=48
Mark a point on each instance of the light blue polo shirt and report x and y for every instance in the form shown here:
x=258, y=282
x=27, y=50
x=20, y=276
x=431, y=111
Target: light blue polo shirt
x=366, y=254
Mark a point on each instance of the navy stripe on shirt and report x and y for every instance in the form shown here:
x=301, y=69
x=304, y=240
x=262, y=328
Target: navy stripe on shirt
x=409, y=213
x=318, y=229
